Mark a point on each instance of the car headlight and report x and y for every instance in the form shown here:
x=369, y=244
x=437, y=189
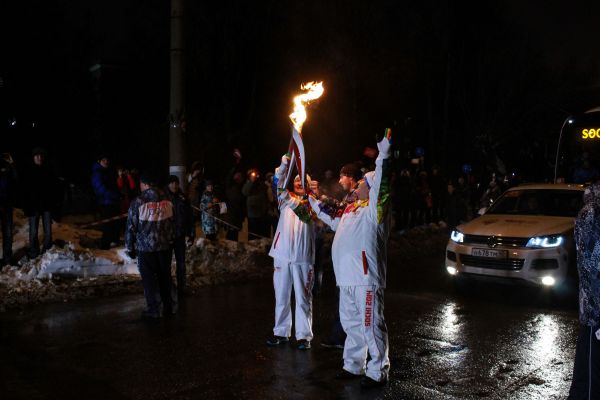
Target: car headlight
x=457, y=236
x=545, y=241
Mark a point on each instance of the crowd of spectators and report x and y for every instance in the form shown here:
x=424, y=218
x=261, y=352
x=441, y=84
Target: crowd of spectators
x=221, y=205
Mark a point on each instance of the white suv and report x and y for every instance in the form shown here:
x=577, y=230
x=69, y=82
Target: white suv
x=526, y=236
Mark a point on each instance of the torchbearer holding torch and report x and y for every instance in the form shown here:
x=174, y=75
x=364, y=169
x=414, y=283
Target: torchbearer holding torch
x=359, y=253
x=293, y=248
x=293, y=252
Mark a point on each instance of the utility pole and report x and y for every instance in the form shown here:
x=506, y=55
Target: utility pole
x=177, y=103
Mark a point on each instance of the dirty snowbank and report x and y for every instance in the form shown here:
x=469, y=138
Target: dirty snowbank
x=425, y=240
x=72, y=270
x=64, y=275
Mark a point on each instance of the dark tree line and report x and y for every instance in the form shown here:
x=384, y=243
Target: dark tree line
x=467, y=83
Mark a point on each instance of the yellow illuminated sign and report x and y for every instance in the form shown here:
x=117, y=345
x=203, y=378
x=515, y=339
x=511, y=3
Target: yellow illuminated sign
x=590, y=133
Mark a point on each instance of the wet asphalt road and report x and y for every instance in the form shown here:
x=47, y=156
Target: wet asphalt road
x=494, y=342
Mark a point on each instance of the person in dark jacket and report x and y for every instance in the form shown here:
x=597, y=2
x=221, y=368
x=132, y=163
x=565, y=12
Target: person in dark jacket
x=184, y=228
x=464, y=194
x=8, y=194
x=455, y=209
x=257, y=206
x=402, y=195
x=236, y=205
x=40, y=197
x=149, y=237
x=108, y=198
x=438, y=187
x=586, y=371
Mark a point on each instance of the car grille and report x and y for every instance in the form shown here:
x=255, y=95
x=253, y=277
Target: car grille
x=496, y=240
x=510, y=264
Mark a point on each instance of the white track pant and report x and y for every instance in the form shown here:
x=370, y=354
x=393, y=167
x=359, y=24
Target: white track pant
x=301, y=278
x=361, y=315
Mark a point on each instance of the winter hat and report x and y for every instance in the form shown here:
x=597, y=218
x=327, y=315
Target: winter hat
x=173, y=178
x=369, y=176
x=197, y=165
x=351, y=170
x=297, y=178
x=148, y=179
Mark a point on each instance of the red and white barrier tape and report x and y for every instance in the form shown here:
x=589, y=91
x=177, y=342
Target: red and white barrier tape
x=121, y=216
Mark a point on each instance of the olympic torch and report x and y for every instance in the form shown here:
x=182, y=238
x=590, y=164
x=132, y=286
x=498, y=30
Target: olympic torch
x=314, y=90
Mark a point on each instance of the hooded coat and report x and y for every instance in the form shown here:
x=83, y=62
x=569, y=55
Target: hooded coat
x=587, y=240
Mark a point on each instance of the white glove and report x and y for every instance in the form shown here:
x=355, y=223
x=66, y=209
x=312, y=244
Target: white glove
x=283, y=167
x=314, y=204
x=384, y=147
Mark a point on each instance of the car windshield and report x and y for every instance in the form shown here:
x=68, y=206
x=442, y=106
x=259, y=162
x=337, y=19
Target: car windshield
x=551, y=202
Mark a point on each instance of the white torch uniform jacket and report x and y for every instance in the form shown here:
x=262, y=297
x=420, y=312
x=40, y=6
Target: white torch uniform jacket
x=359, y=249
x=294, y=240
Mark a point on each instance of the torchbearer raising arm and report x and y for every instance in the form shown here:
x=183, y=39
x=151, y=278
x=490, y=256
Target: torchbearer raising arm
x=359, y=254
x=293, y=252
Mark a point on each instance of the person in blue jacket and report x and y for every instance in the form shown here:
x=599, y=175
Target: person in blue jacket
x=108, y=199
x=184, y=228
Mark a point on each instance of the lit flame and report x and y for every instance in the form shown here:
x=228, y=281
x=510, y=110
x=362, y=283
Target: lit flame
x=314, y=91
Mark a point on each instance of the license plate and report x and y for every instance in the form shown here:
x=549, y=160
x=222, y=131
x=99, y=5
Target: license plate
x=489, y=253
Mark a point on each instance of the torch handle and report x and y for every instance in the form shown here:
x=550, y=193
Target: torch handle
x=292, y=158
x=291, y=141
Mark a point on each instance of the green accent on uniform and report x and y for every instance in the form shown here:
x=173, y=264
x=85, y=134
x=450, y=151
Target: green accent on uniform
x=304, y=212
x=384, y=195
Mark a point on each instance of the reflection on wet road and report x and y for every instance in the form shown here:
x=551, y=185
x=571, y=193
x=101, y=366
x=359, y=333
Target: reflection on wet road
x=494, y=342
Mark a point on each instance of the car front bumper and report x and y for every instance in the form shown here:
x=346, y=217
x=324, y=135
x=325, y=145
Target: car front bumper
x=528, y=265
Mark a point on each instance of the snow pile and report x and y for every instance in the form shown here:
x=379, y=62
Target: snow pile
x=420, y=241
x=72, y=268
x=226, y=261
x=71, y=254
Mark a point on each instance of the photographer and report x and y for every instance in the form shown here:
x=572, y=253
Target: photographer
x=8, y=194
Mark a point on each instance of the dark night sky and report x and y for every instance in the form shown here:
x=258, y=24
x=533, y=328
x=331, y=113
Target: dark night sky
x=465, y=82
